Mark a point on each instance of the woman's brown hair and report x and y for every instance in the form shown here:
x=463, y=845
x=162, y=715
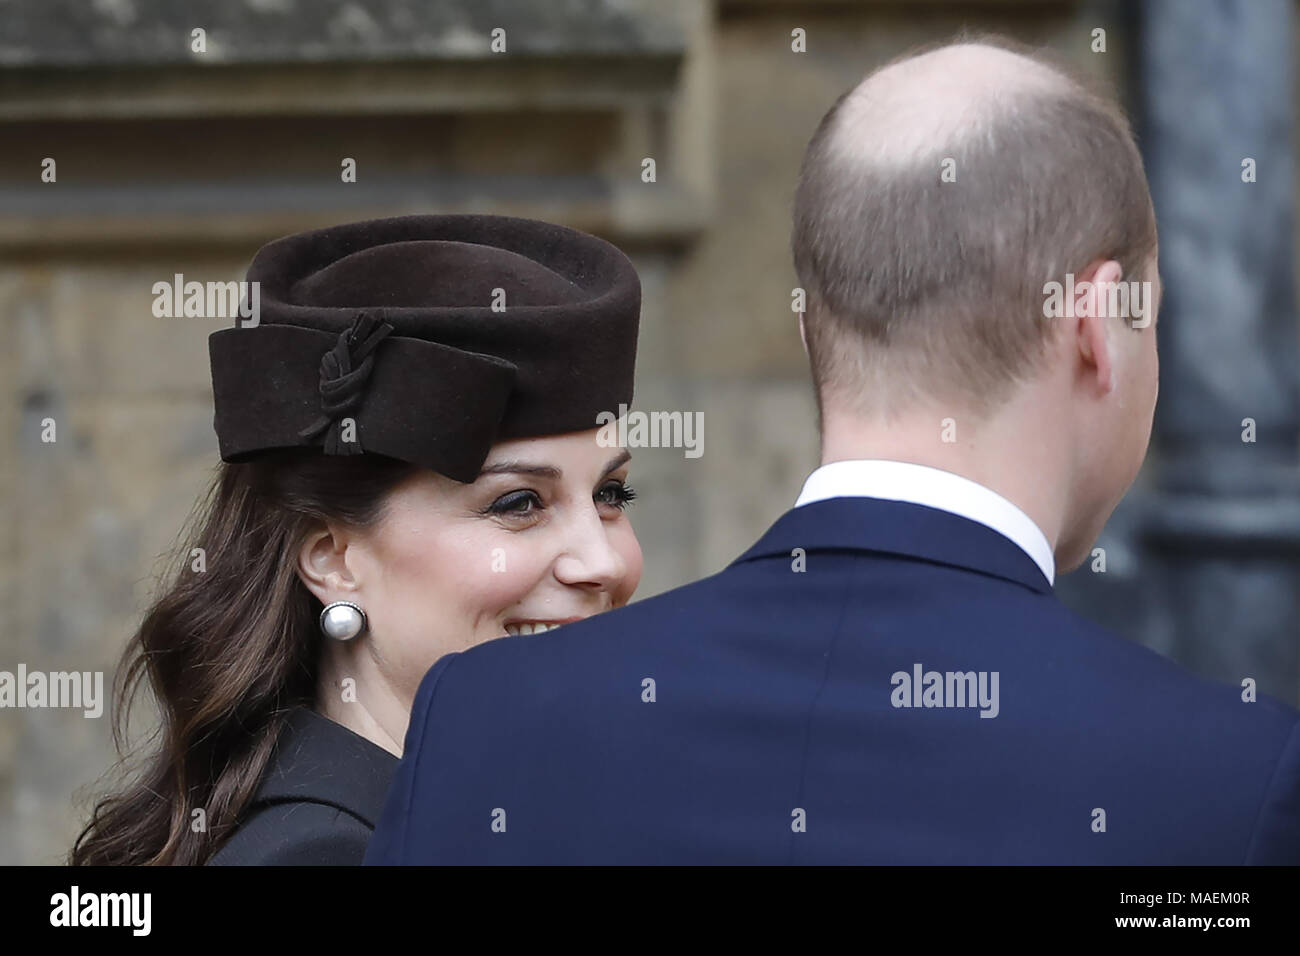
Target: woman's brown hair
x=226, y=651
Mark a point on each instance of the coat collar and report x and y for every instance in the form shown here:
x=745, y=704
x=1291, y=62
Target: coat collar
x=899, y=527
x=321, y=761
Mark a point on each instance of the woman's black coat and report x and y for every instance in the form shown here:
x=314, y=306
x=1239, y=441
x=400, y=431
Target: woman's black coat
x=319, y=800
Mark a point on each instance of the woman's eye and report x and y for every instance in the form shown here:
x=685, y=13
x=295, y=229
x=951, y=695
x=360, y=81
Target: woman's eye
x=615, y=494
x=516, y=503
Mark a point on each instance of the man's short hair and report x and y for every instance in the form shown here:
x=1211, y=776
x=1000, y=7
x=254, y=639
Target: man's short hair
x=921, y=288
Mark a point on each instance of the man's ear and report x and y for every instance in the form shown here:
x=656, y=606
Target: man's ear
x=322, y=564
x=1093, y=286
x=1093, y=322
x=1094, y=344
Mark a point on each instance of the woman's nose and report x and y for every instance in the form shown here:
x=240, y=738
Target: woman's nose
x=588, y=558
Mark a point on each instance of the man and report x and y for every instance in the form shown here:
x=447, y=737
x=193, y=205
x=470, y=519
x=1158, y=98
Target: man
x=886, y=676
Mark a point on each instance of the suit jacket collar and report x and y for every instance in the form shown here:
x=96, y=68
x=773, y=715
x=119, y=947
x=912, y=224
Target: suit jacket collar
x=902, y=528
x=320, y=761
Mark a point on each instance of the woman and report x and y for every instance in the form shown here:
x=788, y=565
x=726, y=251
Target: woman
x=410, y=467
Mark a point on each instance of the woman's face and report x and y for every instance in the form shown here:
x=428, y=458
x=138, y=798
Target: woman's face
x=538, y=540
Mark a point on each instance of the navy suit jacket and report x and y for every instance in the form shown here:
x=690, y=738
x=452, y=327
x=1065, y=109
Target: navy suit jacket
x=757, y=716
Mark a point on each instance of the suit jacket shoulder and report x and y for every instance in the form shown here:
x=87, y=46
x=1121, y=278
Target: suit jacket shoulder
x=318, y=802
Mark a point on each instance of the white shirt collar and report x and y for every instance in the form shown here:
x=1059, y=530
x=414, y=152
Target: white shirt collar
x=922, y=485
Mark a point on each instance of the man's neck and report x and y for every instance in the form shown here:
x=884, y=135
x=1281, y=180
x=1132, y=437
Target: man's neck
x=1004, y=454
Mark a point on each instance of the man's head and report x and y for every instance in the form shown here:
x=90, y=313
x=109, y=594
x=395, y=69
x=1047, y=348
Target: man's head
x=937, y=202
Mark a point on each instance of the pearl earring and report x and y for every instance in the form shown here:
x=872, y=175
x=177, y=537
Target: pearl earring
x=342, y=620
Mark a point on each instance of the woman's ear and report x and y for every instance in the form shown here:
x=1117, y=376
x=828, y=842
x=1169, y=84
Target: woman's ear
x=322, y=564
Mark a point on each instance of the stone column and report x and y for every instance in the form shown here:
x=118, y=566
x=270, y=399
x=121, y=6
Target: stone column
x=1214, y=534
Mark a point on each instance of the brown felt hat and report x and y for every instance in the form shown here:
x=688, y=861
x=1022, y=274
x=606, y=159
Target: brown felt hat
x=426, y=338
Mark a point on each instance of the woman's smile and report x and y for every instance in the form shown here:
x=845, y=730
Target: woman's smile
x=523, y=626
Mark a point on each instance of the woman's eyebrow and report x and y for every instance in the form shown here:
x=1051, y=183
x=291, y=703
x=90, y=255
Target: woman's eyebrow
x=547, y=471
x=521, y=468
x=617, y=461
